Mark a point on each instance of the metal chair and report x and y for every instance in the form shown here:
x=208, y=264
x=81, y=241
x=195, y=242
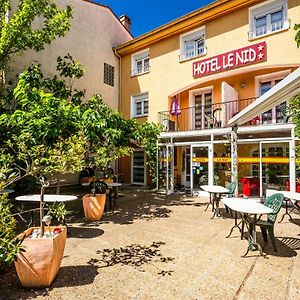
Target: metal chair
x=275, y=202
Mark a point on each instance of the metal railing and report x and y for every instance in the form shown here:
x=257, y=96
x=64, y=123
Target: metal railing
x=216, y=115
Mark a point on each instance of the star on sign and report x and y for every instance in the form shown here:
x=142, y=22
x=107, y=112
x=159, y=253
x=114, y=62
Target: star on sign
x=260, y=48
x=260, y=56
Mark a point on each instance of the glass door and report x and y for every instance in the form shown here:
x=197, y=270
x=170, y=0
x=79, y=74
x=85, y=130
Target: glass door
x=166, y=169
x=200, y=166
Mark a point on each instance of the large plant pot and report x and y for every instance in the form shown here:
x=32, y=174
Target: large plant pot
x=39, y=264
x=93, y=206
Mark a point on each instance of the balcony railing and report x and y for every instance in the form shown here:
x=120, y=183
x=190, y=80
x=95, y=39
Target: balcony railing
x=217, y=115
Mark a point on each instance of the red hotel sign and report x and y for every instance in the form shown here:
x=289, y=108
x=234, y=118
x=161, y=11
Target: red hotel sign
x=230, y=60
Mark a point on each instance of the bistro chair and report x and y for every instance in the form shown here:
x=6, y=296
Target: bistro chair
x=275, y=202
x=231, y=187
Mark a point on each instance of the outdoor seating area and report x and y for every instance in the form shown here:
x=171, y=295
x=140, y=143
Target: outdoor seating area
x=168, y=247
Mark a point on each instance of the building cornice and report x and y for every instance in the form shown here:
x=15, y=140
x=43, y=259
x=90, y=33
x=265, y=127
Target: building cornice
x=185, y=23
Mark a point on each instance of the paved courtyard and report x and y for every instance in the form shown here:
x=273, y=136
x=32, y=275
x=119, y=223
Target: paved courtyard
x=158, y=247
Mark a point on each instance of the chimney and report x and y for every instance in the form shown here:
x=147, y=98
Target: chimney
x=125, y=22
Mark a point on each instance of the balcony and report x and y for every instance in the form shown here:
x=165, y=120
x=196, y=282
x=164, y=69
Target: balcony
x=217, y=115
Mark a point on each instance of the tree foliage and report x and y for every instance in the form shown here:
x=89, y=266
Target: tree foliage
x=34, y=24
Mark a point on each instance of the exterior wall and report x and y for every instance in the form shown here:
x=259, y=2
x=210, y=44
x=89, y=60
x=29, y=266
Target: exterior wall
x=168, y=76
x=95, y=30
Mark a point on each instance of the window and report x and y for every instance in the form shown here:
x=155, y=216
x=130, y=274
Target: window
x=140, y=63
x=279, y=113
x=203, y=110
x=268, y=18
x=276, y=114
x=192, y=44
x=109, y=74
x=140, y=105
x=138, y=167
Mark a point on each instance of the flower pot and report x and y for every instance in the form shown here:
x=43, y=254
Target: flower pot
x=93, y=206
x=39, y=264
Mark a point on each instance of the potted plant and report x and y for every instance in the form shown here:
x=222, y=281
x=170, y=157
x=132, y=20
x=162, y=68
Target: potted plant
x=107, y=140
x=43, y=138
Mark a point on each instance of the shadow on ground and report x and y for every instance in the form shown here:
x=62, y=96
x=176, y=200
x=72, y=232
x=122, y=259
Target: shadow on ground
x=69, y=276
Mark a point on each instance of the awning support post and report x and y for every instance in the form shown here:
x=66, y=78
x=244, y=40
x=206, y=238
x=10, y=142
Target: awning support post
x=234, y=156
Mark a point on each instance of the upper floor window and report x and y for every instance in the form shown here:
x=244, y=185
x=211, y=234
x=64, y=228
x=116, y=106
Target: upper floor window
x=140, y=63
x=192, y=44
x=140, y=105
x=109, y=74
x=267, y=18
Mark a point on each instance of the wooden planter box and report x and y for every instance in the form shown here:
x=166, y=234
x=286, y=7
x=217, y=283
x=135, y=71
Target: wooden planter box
x=39, y=264
x=93, y=206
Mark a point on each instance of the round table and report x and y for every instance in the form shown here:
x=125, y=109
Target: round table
x=248, y=207
x=6, y=191
x=215, y=194
x=49, y=198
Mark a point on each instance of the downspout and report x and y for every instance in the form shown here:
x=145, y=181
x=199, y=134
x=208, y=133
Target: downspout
x=119, y=98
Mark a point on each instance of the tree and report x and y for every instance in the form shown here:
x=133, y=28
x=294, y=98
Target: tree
x=42, y=135
x=18, y=32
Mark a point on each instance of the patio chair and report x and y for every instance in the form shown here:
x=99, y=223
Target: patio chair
x=231, y=187
x=275, y=202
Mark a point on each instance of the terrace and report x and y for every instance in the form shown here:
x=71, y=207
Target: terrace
x=158, y=247
x=217, y=115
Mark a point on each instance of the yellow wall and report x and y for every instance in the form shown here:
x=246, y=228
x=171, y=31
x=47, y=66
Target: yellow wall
x=167, y=75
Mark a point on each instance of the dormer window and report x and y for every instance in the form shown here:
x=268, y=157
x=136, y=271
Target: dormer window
x=268, y=18
x=140, y=63
x=192, y=44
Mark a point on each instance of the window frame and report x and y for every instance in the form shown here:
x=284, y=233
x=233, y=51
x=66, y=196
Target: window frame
x=141, y=56
x=271, y=77
x=266, y=9
x=194, y=36
x=139, y=98
x=109, y=74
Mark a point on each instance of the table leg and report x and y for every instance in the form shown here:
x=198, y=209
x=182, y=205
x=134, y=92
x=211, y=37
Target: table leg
x=286, y=212
x=209, y=202
x=216, y=200
x=236, y=224
x=252, y=244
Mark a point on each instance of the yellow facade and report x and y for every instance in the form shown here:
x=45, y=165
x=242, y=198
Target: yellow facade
x=227, y=26
x=228, y=32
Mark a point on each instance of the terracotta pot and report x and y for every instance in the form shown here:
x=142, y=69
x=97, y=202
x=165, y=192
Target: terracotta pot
x=86, y=179
x=93, y=206
x=39, y=264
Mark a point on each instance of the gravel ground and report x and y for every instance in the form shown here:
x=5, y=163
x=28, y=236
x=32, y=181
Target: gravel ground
x=157, y=247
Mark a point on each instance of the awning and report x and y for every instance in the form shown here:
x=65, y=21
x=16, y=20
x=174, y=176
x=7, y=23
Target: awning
x=281, y=92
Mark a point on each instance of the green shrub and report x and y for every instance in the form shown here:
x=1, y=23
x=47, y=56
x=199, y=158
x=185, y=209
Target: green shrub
x=9, y=247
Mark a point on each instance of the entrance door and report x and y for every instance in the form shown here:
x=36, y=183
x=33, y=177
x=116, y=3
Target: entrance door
x=166, y=169
x=200, y=166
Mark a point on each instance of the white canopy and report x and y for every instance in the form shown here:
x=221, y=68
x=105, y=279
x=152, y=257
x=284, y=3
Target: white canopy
x=281, y=92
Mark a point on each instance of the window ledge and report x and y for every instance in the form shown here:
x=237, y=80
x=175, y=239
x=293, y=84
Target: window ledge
x=286, y=28
x=140, y=116
x=191, y=58
x=138, y=74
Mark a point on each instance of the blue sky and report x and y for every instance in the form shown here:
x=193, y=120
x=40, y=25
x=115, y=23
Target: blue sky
x=147, y=15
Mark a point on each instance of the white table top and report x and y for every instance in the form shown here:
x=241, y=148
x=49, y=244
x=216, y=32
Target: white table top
x=6, y=191
x=47, y=198
x=218, y=189
x=113, y=184
x=286, y=194
x=247, y=206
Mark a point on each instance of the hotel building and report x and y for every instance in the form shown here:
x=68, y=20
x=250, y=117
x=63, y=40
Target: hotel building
x=202, y=74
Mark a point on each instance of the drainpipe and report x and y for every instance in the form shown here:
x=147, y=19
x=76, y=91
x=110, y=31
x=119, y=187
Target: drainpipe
x=119, y=98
